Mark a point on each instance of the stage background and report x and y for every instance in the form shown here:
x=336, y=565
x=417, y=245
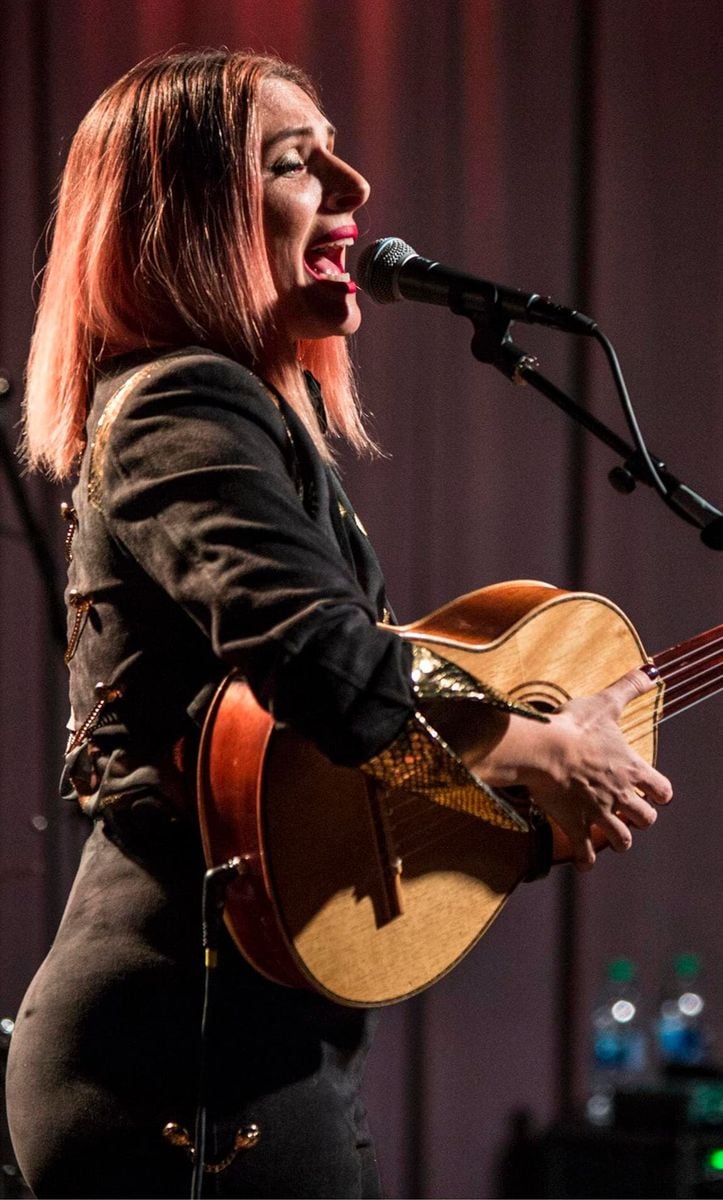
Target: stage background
x=567, y=146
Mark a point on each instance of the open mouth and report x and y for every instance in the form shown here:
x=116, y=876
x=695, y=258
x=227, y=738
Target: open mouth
x=325, y=260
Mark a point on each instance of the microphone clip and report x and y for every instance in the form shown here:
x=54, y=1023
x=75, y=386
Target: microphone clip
x=492, y=343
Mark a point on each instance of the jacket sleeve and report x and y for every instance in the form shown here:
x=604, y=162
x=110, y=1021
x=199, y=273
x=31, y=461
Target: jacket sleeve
x=194, y=484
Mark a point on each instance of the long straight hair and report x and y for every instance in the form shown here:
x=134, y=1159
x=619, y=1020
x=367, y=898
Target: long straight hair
x=158, y=242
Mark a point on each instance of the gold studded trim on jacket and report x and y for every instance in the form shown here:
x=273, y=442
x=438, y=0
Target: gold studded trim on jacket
x=421, y=762
x=435, y=678
x=99, y=444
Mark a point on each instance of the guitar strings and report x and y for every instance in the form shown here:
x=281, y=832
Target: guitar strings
x=710, y=653
x=635, y=731
x=705, y=693
x=681, y=652
x=692, y=653
x=438, y=816
x=703, y=696
x=705, y=687
x=696, y=681
x=432, y=832
x=689, y=668
x=690, y=685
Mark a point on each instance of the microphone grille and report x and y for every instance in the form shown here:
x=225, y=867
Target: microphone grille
x=378, y=265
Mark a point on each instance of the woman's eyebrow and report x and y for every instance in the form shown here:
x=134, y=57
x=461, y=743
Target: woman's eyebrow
x=297, y=131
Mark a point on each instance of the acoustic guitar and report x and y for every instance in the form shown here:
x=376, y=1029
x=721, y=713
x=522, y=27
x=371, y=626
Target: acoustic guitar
x=370, y=895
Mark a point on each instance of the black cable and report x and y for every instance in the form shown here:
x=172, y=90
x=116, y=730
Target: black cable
x=213, y=902
x=629, y=413
x=199, y=1134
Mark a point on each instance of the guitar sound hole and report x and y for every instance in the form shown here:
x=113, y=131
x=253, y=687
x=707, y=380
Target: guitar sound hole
x=541, y=694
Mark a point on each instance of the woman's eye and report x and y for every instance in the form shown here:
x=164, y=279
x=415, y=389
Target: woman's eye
x=287, y=164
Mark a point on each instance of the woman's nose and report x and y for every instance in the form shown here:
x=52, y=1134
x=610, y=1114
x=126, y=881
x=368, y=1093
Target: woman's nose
x=345, y=189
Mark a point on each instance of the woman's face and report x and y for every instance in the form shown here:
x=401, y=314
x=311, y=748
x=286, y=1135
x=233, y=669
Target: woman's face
x=310, y=197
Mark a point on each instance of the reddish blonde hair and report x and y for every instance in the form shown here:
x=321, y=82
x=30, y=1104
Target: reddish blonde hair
x=158, y=242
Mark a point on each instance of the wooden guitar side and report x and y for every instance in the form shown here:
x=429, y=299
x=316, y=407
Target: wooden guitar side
x=322, y=904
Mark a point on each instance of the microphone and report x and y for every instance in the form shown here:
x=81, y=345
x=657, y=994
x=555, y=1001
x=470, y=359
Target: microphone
x=390, y=270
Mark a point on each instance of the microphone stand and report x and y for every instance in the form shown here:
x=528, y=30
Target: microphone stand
x=32, y=528
x=492, y=344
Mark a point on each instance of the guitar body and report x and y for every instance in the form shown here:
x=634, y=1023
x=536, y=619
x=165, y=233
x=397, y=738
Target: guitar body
x=324, y=901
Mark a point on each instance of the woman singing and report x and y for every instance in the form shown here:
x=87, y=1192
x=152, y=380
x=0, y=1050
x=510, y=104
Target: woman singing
x=189, y=369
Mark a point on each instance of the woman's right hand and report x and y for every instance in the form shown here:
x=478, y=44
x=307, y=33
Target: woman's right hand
x=579, y=769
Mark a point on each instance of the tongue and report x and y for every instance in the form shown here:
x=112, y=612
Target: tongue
x=321, y=262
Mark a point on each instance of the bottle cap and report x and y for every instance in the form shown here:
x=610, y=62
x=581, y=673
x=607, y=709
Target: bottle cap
x=621, y=970
x=687, y=965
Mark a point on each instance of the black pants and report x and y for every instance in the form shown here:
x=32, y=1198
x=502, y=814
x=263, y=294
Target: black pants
x=105, y=1055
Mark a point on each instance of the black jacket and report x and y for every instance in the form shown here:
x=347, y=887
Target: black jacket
x=211, y=535
x=208, y=534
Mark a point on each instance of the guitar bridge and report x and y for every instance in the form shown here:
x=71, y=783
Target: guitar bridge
x=389, y=863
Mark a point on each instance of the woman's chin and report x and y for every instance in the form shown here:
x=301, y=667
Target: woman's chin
x=320, y=309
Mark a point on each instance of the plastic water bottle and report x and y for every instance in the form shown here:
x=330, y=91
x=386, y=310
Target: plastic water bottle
x=619, y=1040
x=681, y=1034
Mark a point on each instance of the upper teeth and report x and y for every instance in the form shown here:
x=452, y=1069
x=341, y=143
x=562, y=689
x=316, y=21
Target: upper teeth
x=329, y=245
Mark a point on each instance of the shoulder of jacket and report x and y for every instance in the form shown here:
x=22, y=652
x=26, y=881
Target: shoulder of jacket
x=194, y=368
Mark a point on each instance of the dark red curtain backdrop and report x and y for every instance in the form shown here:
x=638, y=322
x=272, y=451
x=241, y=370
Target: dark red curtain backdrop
x=568, y=146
